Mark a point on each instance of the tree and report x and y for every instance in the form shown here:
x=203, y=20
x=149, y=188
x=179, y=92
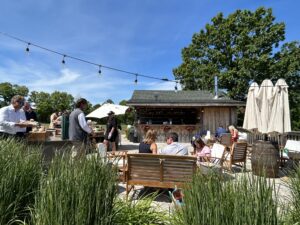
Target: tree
x=239, y=49
x=49, y=103
x=8, y=90
x=109, y=101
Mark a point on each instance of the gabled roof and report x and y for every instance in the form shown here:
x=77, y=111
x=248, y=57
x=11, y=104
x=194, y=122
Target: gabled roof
x=179, y=98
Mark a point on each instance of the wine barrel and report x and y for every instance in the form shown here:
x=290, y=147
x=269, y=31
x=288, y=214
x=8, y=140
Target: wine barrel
x=265, y=159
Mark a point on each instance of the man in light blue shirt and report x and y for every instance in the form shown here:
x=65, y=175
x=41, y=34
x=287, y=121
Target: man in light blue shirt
x=12, y=118
x=173, y=147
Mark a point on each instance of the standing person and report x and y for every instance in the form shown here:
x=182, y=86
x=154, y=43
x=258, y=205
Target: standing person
x=12, y=118
x=148, y=145
x=78, y=127
x=53, y=118
x=30, y=114
x=220, y=130
x=234, y=133
x=173, y=147
x=111, y=132
x=201, y=150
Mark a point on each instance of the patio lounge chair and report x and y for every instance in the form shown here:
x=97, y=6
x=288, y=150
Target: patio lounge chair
x=236, y=156
x=215, y=163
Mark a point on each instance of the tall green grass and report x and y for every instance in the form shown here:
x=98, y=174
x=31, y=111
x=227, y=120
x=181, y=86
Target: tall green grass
x=244, y=200
x=76, y=192
x=20, y=173
x=141, y=212
x=293, y=210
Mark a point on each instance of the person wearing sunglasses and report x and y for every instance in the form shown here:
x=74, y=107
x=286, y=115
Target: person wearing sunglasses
x=12, y=118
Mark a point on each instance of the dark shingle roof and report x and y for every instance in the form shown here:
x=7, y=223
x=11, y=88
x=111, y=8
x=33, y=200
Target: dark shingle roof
x=182, y=98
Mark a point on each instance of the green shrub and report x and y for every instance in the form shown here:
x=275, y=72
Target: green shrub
x=20, y=174
x=293, y=210
x=245, y=200
x=139, y=213
x=76, y=192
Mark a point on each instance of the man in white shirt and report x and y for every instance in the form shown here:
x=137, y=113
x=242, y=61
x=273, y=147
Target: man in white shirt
x=78, y=127
x=173, y=147
x=12, y=118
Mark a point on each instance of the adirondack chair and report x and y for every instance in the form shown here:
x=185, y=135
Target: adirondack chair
x=236, y=156
x=225, y=139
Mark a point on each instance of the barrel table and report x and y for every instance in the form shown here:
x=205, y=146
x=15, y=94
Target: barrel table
x=265, y=159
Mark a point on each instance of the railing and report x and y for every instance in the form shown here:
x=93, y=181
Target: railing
x=277, y=138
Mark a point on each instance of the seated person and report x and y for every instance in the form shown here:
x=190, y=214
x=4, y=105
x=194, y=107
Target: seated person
x=173, y=147
x=148, y=145
x=220, y=130
x=201, y=151
x=234, y=133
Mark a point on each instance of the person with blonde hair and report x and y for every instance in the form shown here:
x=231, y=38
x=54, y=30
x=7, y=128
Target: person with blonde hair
x=148, y=145
x=234, y=133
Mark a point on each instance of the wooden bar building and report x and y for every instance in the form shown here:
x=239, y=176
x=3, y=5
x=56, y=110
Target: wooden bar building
x=184, y=112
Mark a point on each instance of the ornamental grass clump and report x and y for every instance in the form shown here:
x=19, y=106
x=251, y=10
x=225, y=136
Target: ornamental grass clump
x=293, y=210
x=139, y=212
x=243, y=200
x=20, y=174
x=76, y=192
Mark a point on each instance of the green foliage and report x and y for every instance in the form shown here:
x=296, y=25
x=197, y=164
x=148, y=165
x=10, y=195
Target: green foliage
x=138, y=213
x=244, y=200
x=7, y=91
x=49, y=103
x=20, y=174
x=127, y=118
x=239, y=49
x=293, y=215
x=76, y=192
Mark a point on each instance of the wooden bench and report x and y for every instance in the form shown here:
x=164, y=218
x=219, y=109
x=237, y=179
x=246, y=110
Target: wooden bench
x=162, y=171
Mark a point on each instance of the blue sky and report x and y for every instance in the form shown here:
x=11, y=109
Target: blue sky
x=140, y=36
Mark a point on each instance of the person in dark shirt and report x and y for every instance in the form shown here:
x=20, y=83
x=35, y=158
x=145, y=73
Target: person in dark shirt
x=30, y=114
x=111, y=132
x=148, y=145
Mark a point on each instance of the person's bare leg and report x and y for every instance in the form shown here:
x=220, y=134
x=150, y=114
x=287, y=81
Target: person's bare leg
x=113, y=147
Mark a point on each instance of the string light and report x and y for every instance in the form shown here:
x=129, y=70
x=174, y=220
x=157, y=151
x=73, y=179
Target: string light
x=27, y=48
x=63, y=60
x=136, y=80
x=82, y=60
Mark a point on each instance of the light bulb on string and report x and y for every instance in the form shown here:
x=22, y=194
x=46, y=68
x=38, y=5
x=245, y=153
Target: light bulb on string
x=99, y=71
x=27, y=48
x=176, y=88
x=136, y=80
x=63, y=60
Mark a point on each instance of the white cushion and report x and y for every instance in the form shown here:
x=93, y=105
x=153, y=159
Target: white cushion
x=217, y=150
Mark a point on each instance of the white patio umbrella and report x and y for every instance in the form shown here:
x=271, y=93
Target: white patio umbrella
x=280, y=120
x=252, y=115
x=103, y=110
x=264, y=100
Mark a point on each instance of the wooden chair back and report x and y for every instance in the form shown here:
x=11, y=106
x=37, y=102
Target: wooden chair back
x=225, y=139
x=238, y=154
x=162, y=171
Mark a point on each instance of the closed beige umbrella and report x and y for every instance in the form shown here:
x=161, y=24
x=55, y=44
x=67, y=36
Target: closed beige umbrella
x=280, y=120
x=264, y=100
x=252, y=115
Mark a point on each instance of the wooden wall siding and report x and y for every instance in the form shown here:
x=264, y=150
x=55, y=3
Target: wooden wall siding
x=214, y=116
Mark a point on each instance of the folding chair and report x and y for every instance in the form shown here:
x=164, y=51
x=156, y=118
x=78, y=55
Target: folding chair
x=216, y=160
x=236, y=156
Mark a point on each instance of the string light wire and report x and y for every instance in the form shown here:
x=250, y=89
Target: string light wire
x=83, y=60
